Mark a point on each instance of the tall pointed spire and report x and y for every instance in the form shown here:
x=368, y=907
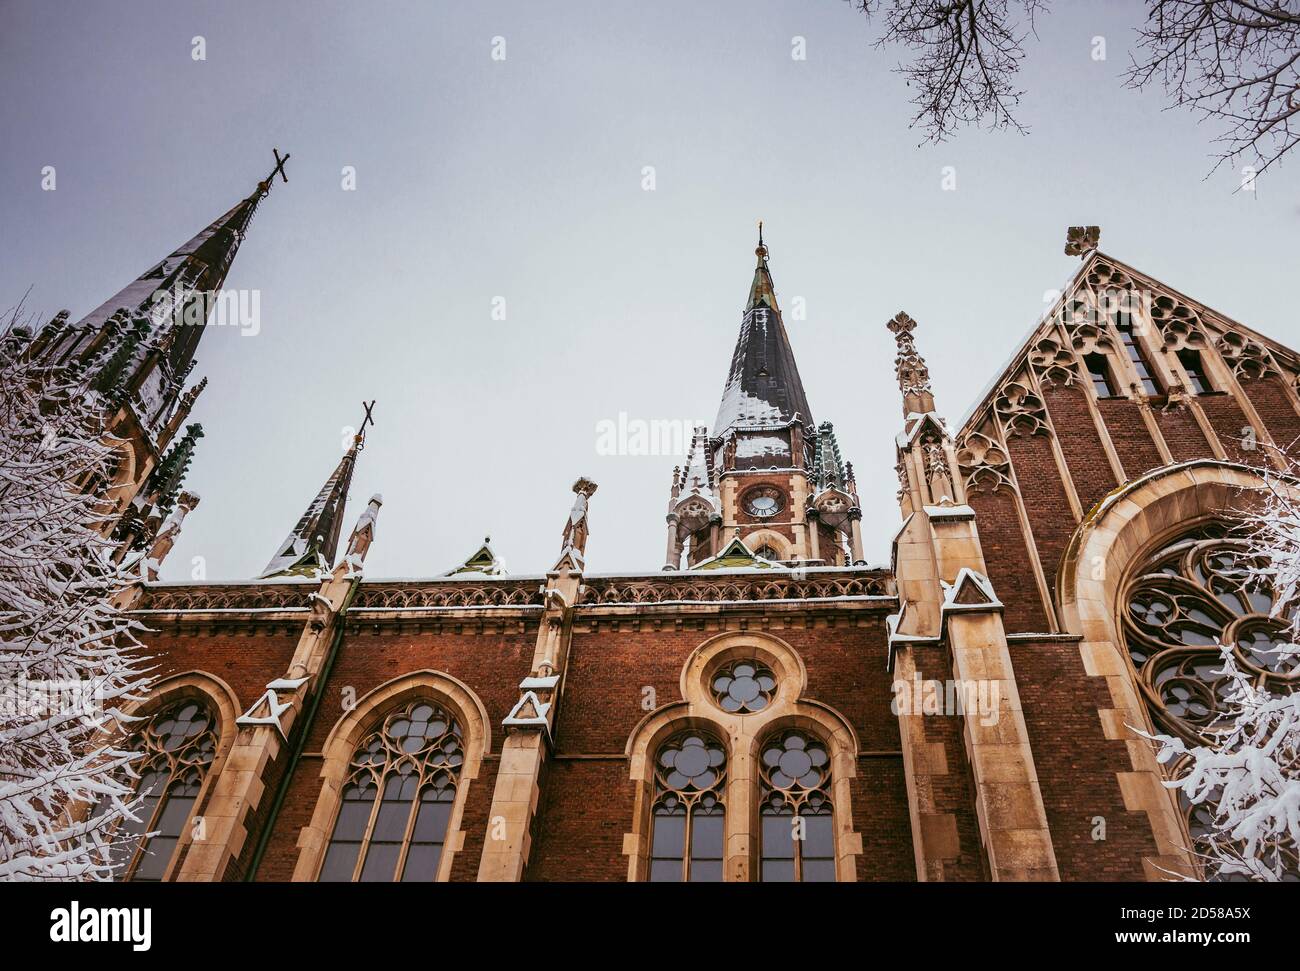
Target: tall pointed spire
x=313, y=542
x=767, y=472
x=144, y=337
x=763, y=387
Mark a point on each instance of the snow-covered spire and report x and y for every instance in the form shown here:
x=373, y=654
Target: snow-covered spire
x=314, y=539
x=143, y=338
x=312, y=543
x=763, y=387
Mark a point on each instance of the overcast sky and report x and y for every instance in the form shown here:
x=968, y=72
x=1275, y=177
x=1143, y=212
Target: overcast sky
x=523, y=179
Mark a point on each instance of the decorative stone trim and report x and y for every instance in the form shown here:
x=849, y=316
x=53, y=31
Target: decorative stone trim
x=770, y=585
x=744, y=734
x=213, y=690
x=1099, y=555
x=347, y=733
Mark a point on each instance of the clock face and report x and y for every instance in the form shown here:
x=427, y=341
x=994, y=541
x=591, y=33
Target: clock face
x=764, y=502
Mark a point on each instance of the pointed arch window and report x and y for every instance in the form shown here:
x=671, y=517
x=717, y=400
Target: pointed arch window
x=179, y=743
x=397, y=800
x=688, y=821
x=797, y=837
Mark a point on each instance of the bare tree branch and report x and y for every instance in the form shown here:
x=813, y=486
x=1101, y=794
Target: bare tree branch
x=1233, y=62
x=968, y=55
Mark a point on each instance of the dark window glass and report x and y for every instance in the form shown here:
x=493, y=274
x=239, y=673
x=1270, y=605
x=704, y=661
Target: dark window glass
x=1099, y=371
x=1197, y=381
x=797, y=833
x=179, y=742
x=1124, y=324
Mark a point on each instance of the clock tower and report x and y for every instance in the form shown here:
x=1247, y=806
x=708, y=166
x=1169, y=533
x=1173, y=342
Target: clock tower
x=768, y=484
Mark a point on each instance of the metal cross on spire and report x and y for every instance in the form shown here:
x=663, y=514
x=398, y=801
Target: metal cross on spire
x=265, y=184
x=368, y=420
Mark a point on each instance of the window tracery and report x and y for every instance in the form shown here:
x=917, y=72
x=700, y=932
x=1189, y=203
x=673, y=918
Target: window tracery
x=744, y=686
x=179, y=743
x=797, y=839
x=688, y=818
x=397, y=801
x=1193, y=594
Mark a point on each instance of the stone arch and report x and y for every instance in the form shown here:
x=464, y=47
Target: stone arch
x=1107, y=545
x=770, y=537
x=200, y=686
x=348, y=732
x=743, y=734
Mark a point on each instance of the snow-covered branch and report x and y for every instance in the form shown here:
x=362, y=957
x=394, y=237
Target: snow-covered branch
x=69, y=659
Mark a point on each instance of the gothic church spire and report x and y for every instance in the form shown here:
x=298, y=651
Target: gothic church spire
x=313, y=542
x=763, y=387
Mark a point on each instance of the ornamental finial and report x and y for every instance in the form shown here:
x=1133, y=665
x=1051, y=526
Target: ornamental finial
x=1082, y=240
x=910, y=367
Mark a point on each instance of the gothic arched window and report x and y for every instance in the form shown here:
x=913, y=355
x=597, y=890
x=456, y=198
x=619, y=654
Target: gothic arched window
x=397, y=800
x=179, y=743
x=1190, y=596
x=1193, y=594
x=797, y=841
x=688, y=819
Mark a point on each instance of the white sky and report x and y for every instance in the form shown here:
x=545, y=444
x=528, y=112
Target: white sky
x=522, y=179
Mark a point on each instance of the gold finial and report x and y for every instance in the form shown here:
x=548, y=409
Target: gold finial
x=761, y=252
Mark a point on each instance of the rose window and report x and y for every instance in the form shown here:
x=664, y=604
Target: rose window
x=742, y=687
x=1191, y=596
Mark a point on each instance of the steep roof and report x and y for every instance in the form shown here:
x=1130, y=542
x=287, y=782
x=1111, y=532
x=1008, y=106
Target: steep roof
x=1080, y=280
x=314, y=540
x=763, y=387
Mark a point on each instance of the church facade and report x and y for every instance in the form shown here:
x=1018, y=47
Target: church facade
x=761, y=706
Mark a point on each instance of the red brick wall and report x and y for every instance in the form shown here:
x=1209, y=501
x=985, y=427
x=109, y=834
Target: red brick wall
x=1006, y=553
x=1046, y=505
x=587, y=802
x=1130, y=436
x=491, y=664
x=881, y=818
x=1084, y=455
x=585, y=808
x=245, y=657
x=1275, y=411
x=1077, y=764
x=1183, y=434
x=1227, y=419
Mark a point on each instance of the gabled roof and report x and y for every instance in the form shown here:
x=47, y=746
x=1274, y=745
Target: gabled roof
x=483, y=562
x=1078, y=281
x=736, y=555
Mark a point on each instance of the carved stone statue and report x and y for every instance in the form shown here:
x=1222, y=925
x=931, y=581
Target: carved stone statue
x=575, y=529
x=363, y=533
